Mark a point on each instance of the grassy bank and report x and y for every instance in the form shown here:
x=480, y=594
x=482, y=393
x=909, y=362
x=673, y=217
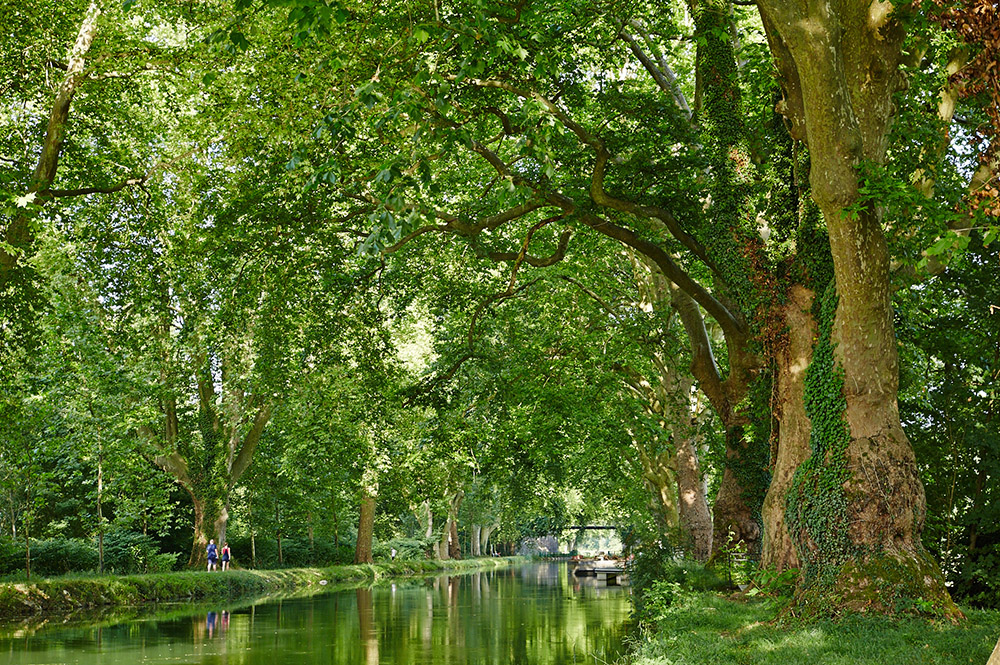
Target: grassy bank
x=703, y=628
x=69, y=594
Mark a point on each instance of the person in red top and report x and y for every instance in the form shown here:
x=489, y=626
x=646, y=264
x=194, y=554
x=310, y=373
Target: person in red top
x=225, y=556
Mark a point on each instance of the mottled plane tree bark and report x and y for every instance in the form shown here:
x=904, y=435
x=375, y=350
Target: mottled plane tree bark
x=856, y=508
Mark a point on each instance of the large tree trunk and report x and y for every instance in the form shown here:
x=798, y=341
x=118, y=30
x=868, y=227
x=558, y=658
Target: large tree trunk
x=858, y=504
x=442, y=546
x=484, y=538
x=425, y=518
x=477, y=530
x=366, y=527
x=454, y=547
x=672, y=476
x=995, y=656
x=735, y=519
x=695, y=518
x=198, y=556
x=793, y=430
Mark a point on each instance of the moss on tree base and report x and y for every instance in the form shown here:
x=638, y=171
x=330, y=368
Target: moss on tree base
x=887, y=584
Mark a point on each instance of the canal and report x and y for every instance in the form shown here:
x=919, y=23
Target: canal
x=523, y=615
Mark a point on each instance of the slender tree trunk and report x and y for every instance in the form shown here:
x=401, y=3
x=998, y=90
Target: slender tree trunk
x=13, y=515
x=477, y=531
x=312, y=548
x=277, y=521
x=794, y=428
x=366, y=528
x=100, y=512
x=253, y=532
x=27, y=551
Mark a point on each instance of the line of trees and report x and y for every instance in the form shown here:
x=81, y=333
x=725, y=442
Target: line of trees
x=299, y=263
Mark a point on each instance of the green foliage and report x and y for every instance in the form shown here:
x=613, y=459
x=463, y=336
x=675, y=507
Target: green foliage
x=54, y=556
x=948, y=387
x=769, y=582
x=406, y=549
x=127, y=553
x=659, y=575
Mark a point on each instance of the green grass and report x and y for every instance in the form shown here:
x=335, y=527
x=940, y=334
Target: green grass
x=703, y=628
x=71, y=594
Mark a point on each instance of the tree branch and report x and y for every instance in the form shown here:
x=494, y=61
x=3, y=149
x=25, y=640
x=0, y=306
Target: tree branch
x=545, y=262
x=730, y=324
x=243, y=458
x=142, y=180
x=662, y=74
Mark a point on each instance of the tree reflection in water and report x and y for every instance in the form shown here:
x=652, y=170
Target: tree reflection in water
x=538, y=614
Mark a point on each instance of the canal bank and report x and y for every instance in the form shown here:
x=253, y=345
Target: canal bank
x=20, y=600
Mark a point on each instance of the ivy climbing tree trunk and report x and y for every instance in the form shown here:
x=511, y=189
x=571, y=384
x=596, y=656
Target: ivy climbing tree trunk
x=718, y=110
x=839, y=63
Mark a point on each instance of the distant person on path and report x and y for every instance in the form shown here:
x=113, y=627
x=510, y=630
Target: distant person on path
x=213, y=556
x=225, y=556
x=392, y=553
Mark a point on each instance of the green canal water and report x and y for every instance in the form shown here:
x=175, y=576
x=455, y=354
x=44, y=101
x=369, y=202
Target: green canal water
x=525, y=615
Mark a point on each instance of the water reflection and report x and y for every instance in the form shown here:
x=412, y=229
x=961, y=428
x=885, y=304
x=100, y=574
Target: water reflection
x=538, y=614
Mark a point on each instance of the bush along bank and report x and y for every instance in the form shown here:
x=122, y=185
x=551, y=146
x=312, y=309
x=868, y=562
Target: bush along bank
x=69, y=594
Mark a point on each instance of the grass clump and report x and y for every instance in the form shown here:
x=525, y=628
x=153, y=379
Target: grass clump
x=703, y=628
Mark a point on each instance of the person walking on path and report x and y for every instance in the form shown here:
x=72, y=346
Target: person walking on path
x=213, y=556
x=225, y=556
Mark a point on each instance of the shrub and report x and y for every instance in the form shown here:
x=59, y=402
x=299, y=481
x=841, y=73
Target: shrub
x=977, y=580
x=11, y=556
x=406, y=548
x=128, y=552
x=657, y=571
x=58, y=556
